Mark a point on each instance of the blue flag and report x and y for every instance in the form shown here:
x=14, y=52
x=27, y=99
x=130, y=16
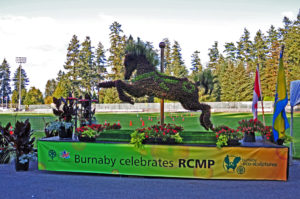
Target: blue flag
x=280, y=121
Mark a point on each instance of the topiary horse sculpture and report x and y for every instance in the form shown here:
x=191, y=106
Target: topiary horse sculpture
x=149, y=81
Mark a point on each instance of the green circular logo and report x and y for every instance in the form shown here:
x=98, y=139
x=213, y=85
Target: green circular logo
x=240, y=170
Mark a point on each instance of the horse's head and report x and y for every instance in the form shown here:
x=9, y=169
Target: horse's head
x=130, y=63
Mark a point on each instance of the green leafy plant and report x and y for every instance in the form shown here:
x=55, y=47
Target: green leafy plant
x=177, y=138
x=222, y=141
x=137, y=139
x=89, y=133
x=288, y=139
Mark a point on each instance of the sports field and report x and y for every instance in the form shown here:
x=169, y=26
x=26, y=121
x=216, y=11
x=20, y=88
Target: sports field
x=190, y=122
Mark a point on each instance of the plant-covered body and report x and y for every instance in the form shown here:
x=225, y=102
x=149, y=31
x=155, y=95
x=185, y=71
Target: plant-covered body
x=149, y=82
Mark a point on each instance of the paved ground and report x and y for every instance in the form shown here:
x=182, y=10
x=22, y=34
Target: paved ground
x=54, y=185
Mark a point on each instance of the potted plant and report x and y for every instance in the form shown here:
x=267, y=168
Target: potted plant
x=23, y=145
x=64, y=110
x=86, y=114
x=63, y=129
x=89, y=133
x=249, y=127
x=157, y=134
x=227, y=136
x=5, y=150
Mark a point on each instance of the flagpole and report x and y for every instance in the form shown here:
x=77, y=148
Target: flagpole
x=261, y=96
x=262, y=108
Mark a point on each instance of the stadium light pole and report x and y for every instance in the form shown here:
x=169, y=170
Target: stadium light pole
x=20, y=60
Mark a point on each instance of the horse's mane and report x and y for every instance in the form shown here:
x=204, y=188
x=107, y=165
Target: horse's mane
x=141, y=48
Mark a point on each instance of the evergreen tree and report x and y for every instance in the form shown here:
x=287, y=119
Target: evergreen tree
x=260, y=48
x=116, y=51
x=72, y=64
x=168, y=59
x=16, y=79
x=63, y=87
x=245, y=51
x=100, y=64
x=230, y=51
x=292, y=52
x=196, y=65
x=269, y=73
x=196, y=62
x=15, y=96
x=5, y=89
x=60, y=74
x=62, y=90
x=272, y=37
x=50, y=87
x=179, y=69
x=34, y=96
x=227, y=82
x=213, y=56
x=287, y=25
x=86, y=66
x=243, y=84
x=247, y=45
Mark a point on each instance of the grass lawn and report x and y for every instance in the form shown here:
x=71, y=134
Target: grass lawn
x=192, y=128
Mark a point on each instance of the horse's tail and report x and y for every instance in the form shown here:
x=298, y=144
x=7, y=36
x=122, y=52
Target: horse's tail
x=109, y=84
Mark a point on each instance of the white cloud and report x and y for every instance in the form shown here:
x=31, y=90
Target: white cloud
x=291, y=15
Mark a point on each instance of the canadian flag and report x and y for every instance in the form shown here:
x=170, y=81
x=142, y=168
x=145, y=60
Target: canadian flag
x=256, y=94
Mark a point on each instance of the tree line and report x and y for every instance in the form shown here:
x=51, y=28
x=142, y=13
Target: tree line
x=228, y=76
x=11, y=95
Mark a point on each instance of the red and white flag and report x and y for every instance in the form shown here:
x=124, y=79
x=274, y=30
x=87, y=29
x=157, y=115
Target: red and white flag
x=256, y=94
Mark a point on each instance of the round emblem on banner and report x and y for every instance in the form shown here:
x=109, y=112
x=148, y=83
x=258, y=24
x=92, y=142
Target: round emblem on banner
x=240, y=170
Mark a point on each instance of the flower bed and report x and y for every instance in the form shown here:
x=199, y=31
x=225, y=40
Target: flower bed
x=89, y=133
x=157, y=134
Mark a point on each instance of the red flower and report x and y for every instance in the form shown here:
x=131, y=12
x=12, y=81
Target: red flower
x=11, y=132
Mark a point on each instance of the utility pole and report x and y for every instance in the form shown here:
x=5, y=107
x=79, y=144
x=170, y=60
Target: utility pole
x=20, y=60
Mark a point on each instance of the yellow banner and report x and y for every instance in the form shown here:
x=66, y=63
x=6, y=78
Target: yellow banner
x=255, y=163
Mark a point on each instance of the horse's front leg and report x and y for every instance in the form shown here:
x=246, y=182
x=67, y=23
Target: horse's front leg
x=109, y=84
x=121, y=86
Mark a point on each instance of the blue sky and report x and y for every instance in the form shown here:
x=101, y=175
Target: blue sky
x=42, y=29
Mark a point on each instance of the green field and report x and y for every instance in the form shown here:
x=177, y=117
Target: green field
x=192, y=128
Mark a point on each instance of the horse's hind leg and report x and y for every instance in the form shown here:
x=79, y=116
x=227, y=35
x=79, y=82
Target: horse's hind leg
x=205, y=115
